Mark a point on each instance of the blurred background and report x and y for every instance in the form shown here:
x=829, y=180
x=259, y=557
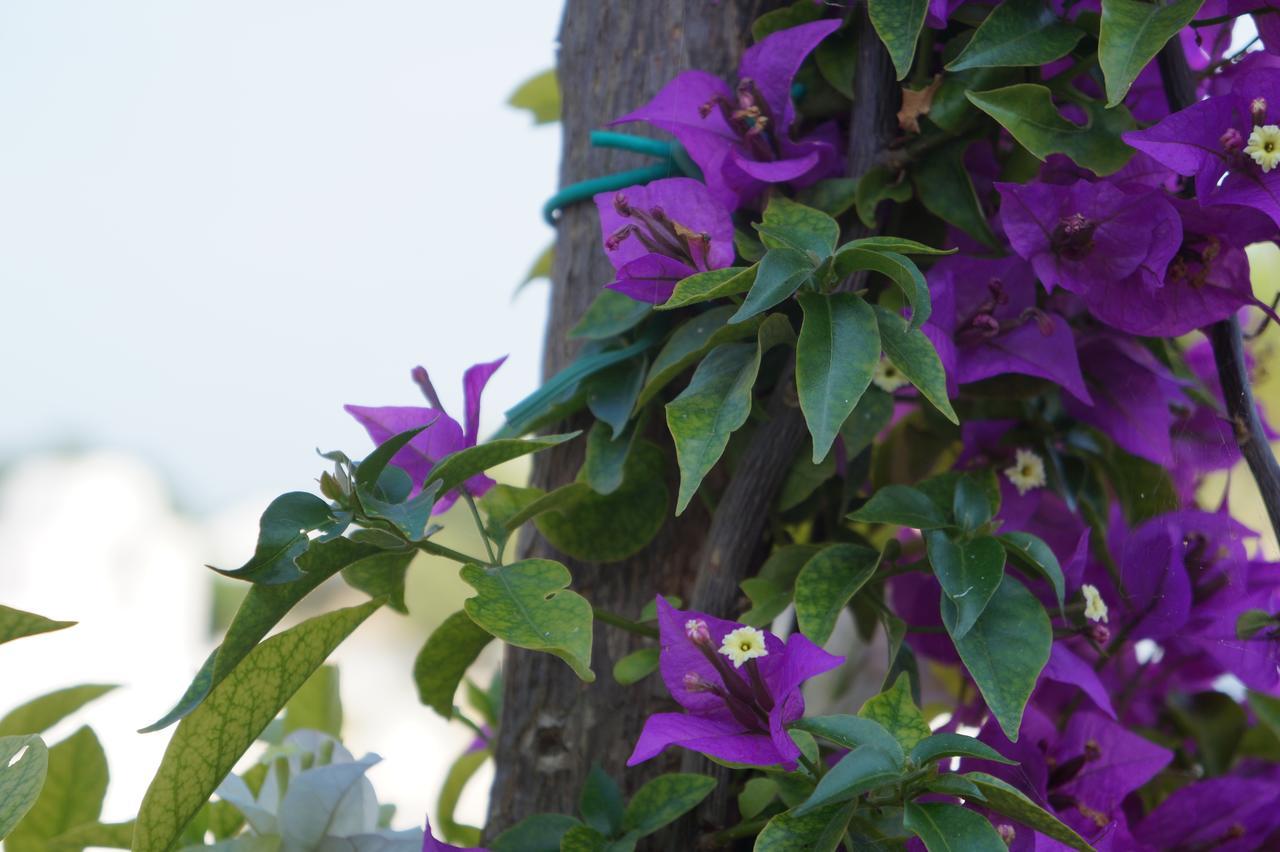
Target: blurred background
x=218, y=223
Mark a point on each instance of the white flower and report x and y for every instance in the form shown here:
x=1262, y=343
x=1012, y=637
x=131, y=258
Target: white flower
x=1027, y=471
x=887, y=377
x=745, y=643
x=1095, y=608
x=1264, y=146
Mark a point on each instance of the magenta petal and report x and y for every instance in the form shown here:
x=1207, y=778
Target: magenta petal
x=430, y=844
x=686, y=201
x=1065, y=667
x=1027, y=350
x=473, y=383
x=1156, y=583
x=420, y=455
x=803, y=660
x=772, y=65
x=724, y=740
x=651, y=278
x=1188, y=141
x=1124, y=761
x=774, y=171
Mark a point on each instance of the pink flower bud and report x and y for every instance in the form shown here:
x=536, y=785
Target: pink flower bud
x=695, y=682
x=1232, y=140
x=696, y=630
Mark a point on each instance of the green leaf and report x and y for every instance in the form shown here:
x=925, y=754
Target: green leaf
x=836, y=354
x=106, y=835
x=1005, y=650
x=951, y=828
x=1251, y=622
x=714, y=406
x=895, y=710
x=510, y=508
x=208, y=742
x=902, y=506
x=869, y=417
x=1132, y=34
x=610, y=527
x=540, y=95
x=528, y=604
x=827, y=582
x=1031, y=552
x=939, y=746
x=283, y=536
x=612, y=393
x=73, y=792
x=1018, y=32
x=16, y=623
x=880, y=183
x=945, y=188
x=540, y=268
x=971, y=505
x=317, y=705
x=260, y=610
x=581, y=838
x=863, y=769
x=852, y=732
x=1217, y=723
x=912, y=353
x=712, y=284
x=537, y=833
x=21, y=779
x=801, y=12
x=1006, y=799
x=664, y=800
x=369, y=471
x=382, y=575
x=969, y=572
x=770, y=591
x=898, y=23
x=610, y=314
x=897, y=268
x=837, y=60
x=456, y=468
x=820, y=830
x=460, y=772
x=1026, y=110
x=778, y=275
x=757, y=794
x=788, y=224
x=1266, y=708
x=40, y=714
x=688, y=344
x=901, y=245
x=601, y=802
x=606, y=458
x=951, y=784
x=804, y=478
x=636, y=666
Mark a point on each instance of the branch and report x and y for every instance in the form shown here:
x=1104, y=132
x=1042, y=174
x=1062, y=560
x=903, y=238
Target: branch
x=1224, y=335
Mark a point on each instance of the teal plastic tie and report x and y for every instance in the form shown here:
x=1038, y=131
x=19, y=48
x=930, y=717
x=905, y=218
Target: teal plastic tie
x=674, y=161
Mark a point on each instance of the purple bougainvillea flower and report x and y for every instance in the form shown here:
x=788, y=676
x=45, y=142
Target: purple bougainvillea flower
x=1132, y=394
x=443, y=435
x=741, y=138
x=739, y=686
x=659, y=233
x=1066, y=667
x=1109, y=246
x=430, y=844
x=985, y=323
x=1228, y=142
x=1227, y=814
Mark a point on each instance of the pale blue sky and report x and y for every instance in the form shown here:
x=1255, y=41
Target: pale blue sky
x=219, y=221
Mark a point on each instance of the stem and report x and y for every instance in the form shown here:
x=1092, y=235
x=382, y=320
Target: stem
x=813, y=768
x=750, y=828
x=1224, y=335
x=624, y=623
x=447, y=552
x=475, y=515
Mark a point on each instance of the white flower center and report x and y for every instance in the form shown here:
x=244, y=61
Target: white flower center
x=1027, y=471
x=745, y=643
x=1264, y=146
x=1095, y=608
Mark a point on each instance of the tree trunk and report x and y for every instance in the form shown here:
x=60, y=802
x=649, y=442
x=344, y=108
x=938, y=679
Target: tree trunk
x=614, y=56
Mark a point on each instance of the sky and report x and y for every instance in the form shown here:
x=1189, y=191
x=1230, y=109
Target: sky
x=221, y=221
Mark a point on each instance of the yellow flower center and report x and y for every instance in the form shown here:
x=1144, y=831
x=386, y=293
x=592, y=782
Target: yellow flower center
x=742, y=644
x=1027, y=471
x=887, y=377
x=1264, y=146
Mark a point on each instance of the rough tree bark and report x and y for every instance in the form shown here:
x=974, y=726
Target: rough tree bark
x=614, y=56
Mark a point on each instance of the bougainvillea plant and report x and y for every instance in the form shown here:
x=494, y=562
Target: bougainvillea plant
x=1013, y=338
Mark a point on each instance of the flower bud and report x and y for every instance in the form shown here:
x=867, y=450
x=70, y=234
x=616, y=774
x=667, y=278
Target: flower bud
x=1258, y=110
x=1232, y=140
x=1007, y=833
x=695, y=682
x=1100, y=633
x=696, y=630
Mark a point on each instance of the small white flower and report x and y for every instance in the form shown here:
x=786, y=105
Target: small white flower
x=1027, y=471
x=1095, y=608
x=745, y=643
x=1264, y=146
x=887, y=377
